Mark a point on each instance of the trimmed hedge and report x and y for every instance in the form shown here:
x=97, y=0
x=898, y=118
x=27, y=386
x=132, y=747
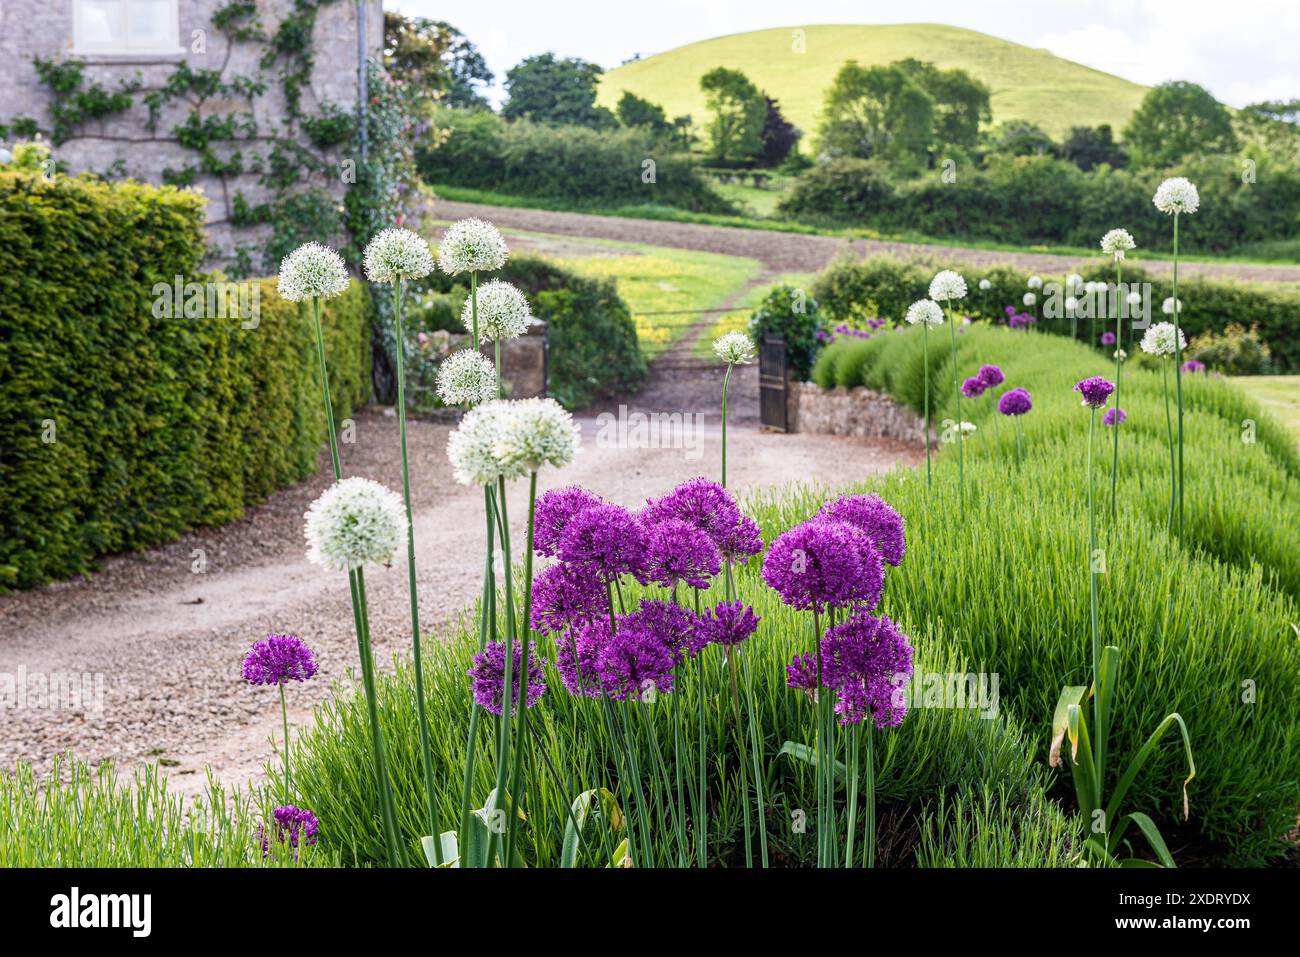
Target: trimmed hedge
x=854, y=291
x=119, y=430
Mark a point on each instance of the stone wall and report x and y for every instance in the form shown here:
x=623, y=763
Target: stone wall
x=858, y=412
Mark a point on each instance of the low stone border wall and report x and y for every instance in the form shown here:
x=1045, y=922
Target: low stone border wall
x=859, y=412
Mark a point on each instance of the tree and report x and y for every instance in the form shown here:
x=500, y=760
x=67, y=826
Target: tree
x=435, y=60
x=877, y=111
x=779, y=136
x=1177, y=120
x=1271, y=130
x=547, y=89
x=634, y=111
x=1091, y=146
x=739, y=112
x=1020, y=138
x=961, y=102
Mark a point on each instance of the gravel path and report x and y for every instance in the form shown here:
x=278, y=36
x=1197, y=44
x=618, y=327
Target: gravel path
x=168, y=641
x=797, y=252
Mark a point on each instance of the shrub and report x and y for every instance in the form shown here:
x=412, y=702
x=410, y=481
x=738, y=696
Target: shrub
x=795, y=316
x=120, y=429
x=1236, y=351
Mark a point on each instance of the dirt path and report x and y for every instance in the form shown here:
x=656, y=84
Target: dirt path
x=796, y=252
x=168, y=641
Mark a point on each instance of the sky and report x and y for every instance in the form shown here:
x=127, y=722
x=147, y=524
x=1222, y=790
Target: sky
x=1243, y=51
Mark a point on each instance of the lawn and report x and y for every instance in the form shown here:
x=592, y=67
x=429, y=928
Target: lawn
x=1278, y=394
x=738, y=319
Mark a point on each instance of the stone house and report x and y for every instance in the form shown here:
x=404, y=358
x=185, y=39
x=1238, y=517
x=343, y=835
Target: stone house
x=246, y=100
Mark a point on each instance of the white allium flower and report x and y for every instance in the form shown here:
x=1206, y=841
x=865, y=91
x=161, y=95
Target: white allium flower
x=1029, y=299
x=1159, y=339
x=1035, y=282
x=397, y=254
x=313, y=270
x=985, y=285
x=967, y=428
x=536, y=432
x=1071, y=304
x=471, y=245
x=503, y=311
x=466, y=378
x=1177, y=195
x=925, y=310
x=947, y=285
x=1167, y=307
x=1117, y=242
x=734, y=347
x=354, y=522
x=1135, y=299
x=1072, y=280
x=1120, y=354
x=472, y=445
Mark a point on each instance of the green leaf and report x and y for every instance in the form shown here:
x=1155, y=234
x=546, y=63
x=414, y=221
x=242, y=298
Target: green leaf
x=606, y=809
x=1152, y=834
x=1073, y=694
x=1139, y=759
x=620, y=855
x=808, y=755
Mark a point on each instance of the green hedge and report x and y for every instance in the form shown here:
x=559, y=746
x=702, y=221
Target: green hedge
x=120, y=430
x=571, y=164
x=854, y=291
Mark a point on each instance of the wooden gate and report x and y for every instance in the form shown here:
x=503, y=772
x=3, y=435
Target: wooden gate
x=773, y=381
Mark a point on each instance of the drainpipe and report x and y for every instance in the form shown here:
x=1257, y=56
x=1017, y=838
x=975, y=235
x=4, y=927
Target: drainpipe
x=362, y=94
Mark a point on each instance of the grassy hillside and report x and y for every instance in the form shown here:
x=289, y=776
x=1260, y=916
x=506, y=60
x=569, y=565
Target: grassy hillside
x=1026, y=83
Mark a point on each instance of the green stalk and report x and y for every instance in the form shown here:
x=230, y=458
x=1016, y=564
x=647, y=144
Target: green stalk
x=744, y=773
x=702, y=823
x=504, y=738
x=961, y=436
x=869, y=837
x=755, y=750
x=325, y=390
x=387, y=808
x=1119, y=347
x=925, y=352
x=1092, y=585
x=822, y=749
x=521, y=715
x=1019, y=431
x=1169, y=429
x=854, y=743
x=1178, y=377
x=487, y=626
x=726, y=381
x=284, y=714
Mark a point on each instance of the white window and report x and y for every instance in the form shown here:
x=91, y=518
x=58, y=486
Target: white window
x=125, y=26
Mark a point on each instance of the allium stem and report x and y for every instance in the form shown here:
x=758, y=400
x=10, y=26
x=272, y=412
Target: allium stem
x=869, y=793
x=1169, y=429
x=1092, y=575
x=521, y=716
x=487, y=629
x=1178, y=377
x=1119, y=348
x=726, y=381
x=925, y=353
x=961, y=436
x=504, y=737
x=284, y=714
x=702, y=822
x=854, y=771
x=325, y=390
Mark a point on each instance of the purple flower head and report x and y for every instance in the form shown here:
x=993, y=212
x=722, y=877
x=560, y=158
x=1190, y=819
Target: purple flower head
x=729, y=623
x=294, y=824
x=1010, y=310
x=277, y=659
x=991, y=375
x=874, y=516
x=742, y=541
x=1112, y=414
x=1015, y=402
x=576, y=654
x=865, y=661
x=1095, y=390
x=488, y=676
x=635, y=662
x=706, y=505
x=677, y=628
x=824, y=564
x=1193, y=366
x=566, y=594
x=555, y=509
x=801, y=674
x=677, y=551
x=606, y=537
x=973, y=387
x=1108, y=338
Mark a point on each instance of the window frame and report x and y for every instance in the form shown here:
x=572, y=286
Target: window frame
x=80, y=46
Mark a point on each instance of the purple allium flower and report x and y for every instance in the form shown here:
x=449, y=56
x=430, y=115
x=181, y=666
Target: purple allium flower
x=565, y=594
x=1010, y=310
x=729, y=623
x=488, y=676
x=824, y=563
x=874, y=516
x=676, y=627
x=635, y=661
x=555, y=509
x=277, y=659
x=1193, y=366
x=576, y=654
x=973, y=387
x=742, y=541
x=801, y=674
x=677, y=551
x=607, y=537
x=1112, y=414
x=1108, y=338
x=1095, y=390
x=865, y=660
x=991, y=375
x=706, y=505
x=1015, y=402
x=296, y=824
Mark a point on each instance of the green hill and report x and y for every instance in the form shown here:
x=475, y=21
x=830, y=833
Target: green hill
x=1026, y=83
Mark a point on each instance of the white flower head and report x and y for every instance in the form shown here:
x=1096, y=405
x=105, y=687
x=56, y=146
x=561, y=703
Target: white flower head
x=1029, y=299
x=947, y=285
x=472, y=445
x=967, y=428
x=313, y=271
x=396, y=254
x=356, y=521
x=471, y=245
x=1072, y=280
x=1177, y=195
x=985, y=285
x=1117, y=242
x=1120, y=354
x=734, y=348
x=503, y=311
x=467, y=378
x=1159, y=339
x=1167, y=307
x=1135, y=299
x=1035, y=282
x=925, y=310
x=536, y=432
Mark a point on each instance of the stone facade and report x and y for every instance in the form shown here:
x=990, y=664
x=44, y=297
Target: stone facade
x=858, y=412
x=122, y=144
